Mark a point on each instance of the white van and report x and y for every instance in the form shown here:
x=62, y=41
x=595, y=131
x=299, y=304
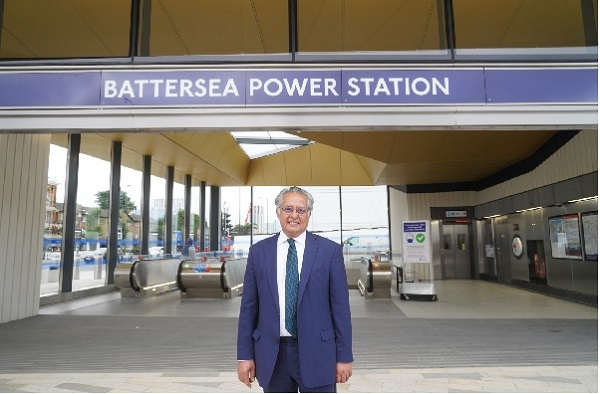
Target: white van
x=365, y=245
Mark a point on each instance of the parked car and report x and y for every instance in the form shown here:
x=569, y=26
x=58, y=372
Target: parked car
x=100, y=254
x=88, y=256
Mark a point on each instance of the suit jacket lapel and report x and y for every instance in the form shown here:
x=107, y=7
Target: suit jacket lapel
x=271, y=268
x=310, y=254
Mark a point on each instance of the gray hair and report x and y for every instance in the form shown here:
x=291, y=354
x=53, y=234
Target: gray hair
x=295, y=189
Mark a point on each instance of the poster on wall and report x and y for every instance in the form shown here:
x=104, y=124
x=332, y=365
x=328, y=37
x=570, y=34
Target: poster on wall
x=589, y=221
x=565, y=239
x=416, y=241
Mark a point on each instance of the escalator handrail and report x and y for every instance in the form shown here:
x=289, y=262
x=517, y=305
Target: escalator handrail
x=223, y=279
x=131, y=277
x=179, y=280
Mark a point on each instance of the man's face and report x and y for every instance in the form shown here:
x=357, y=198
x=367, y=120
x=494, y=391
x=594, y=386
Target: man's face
x=293, y=224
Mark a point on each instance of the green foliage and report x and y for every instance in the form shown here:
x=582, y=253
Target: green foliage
x=93, y=221
x=160, y=224
x=103, y=200
x=245, y=229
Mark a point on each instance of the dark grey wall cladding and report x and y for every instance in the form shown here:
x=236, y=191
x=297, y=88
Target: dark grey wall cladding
x=555, y=194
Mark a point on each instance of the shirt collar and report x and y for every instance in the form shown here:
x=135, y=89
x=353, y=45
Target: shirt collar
x=301, y=239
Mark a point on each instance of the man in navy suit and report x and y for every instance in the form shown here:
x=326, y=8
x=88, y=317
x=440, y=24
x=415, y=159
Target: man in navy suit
x=308, y=346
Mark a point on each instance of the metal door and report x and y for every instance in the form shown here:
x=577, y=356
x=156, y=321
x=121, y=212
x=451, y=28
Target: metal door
x=455, y=251
x=503, y=249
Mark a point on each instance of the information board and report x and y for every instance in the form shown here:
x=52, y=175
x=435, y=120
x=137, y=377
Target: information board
x=416, y=239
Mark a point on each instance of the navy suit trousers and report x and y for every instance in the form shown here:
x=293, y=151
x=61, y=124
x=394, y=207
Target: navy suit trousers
x=286, y=376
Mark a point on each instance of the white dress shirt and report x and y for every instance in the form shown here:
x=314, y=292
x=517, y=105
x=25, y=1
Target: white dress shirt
x=282, y=251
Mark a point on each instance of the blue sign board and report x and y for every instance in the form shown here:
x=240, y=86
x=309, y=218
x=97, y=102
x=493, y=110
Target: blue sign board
x=393, y=87
x=414, y=227
x=340, y=87
x=554, y=86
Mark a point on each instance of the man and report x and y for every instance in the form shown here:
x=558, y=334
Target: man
x=294, y=330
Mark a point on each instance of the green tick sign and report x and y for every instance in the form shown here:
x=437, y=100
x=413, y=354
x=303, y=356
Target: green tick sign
x=417, y=247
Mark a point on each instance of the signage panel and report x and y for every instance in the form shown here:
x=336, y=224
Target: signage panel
x=49, y=89
x=385, y=87
x=416, y=241
x=456, y=214
x=178, y=88
x=293, y=87
x=541, y=85
x=298, y=87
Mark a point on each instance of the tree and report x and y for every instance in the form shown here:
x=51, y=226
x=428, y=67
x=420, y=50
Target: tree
x=180, y=220
x=242, y=229
x=160, y=228
x=93, y=225
x=196, y=224
x=103, y=200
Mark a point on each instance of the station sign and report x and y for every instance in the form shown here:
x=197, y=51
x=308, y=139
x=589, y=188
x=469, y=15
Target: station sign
x=340, y=87
x=456, y=214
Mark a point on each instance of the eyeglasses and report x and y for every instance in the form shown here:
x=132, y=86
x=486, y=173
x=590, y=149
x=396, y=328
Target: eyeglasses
x=299, y=210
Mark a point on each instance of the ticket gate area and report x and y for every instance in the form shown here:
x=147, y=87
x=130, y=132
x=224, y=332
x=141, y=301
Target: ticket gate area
x=146, y=276
x=211, y=277
x=375, y=278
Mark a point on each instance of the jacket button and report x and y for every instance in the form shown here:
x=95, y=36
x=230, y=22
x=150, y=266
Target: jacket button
x=277, y=340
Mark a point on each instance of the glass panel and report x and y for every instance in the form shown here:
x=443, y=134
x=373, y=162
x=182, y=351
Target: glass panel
x=33, y=29
x=177, y=240
x=157, y=209
x=565, y=238
x=53, y=226
x=447, y=242
x=508, y=24
x=364, y=227
x=194, y=230
x=589, y=222
x=92, y=220
x=208, y=222
x=131, y=196
x=461, y=241
x=370, y=25
x=219, y=27
x=236, y=204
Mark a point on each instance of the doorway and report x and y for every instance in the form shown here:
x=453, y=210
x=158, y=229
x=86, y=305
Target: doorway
x=455, y=251
x=537, y=262
x=503, y=249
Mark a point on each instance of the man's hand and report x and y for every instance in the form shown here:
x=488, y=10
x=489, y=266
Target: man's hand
x=343, y=372
x=246, y=372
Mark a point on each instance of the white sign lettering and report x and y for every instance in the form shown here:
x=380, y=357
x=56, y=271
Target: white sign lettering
x=393, y=86
x=170, y=88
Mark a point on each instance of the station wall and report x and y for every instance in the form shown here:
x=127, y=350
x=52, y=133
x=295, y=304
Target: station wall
x=577, y=157
x=23, y=177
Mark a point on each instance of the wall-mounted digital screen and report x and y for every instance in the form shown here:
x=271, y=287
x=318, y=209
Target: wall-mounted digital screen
x=565, y=239
x=589, y=221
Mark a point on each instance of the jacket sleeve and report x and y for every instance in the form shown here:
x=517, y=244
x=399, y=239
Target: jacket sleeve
x=340, y=307
x=248, y=316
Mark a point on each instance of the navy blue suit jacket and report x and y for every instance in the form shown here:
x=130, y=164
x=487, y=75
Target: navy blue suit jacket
x=324, y=322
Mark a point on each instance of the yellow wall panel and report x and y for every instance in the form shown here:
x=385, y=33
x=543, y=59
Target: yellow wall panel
x=297, y=166
x=372, y=168
x=325, y=165
x=274, y=170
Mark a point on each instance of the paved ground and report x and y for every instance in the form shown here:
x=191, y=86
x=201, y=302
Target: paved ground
x=478, y=337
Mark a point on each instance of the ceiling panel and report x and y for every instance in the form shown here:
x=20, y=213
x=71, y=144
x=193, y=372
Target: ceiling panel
x=336, y=158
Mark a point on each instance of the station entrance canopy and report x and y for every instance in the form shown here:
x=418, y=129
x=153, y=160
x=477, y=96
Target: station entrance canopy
x=561, y=96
